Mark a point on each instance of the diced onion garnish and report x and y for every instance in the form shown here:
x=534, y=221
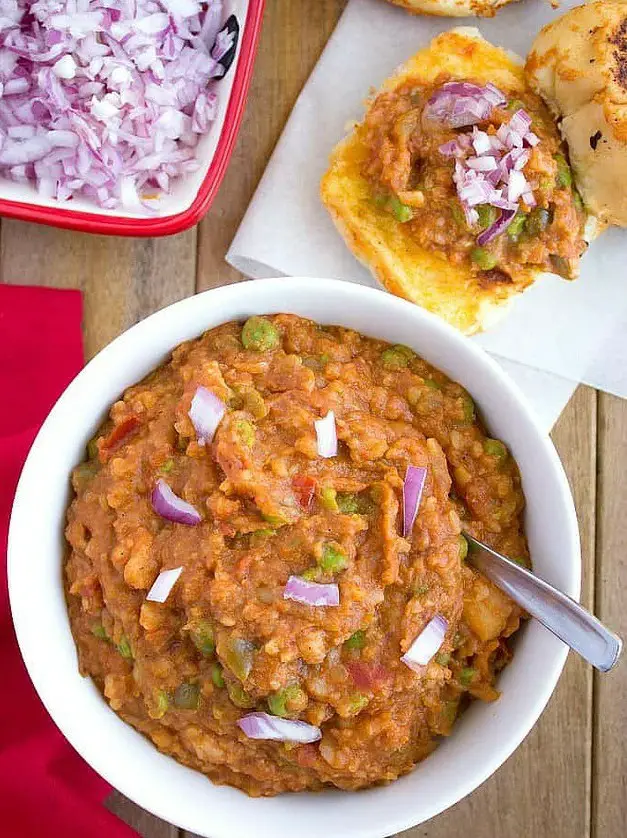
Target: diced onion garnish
x=311, y=593
x=163, y=584
x=415, y=477
x=171, y=507
x=326, y=434
x=107, y=99
x=426, y=644
x=488, y=167
x=265, y=726
x=206, y=413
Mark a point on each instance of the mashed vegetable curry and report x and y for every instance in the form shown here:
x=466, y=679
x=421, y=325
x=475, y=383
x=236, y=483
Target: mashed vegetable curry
x=226, y=642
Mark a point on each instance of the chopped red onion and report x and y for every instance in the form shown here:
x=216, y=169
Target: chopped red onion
x=498, y=160
x=129, y=83
x=426, y=645
x=311, y=593
x=481, y=141
x=163, y=584
x=413, y=485
x=458, y=104
x=482, y=164
x=326, y=435
x=499, y=226
x=265, y=726
x=171, y=507
x=516, y=185
x=206, y=413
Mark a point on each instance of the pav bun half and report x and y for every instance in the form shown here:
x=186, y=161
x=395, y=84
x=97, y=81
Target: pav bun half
x=578, y=64
x=452, y=8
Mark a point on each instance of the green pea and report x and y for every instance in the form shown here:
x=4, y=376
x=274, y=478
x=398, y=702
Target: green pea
x=395, y=356
x=348, y=503
x=516, y=226
x=92, y=448
x=163, y=703
x=443, y=658
x=202, y=637
x=324, y=359
x=332, y=559
x=246, y=432
x=564, y=176
x=358, y=702
x=432, y=384
x=380, y=199
x=84, y=474
x=328, y=499
x=264, y=532
x=98, y=630
x=216, y=676
x=458, y=214
x=495, y=448
x=260, y=334
x=239, y=696
x=487, y=215
x=278, y=702
x=467, y=676
x=463, y=547
x=167, y=466
x=187, y=696
x=124, y=647
x=421, y=590
x=400, y=211
x=537, y=221
x=239, y=656
x=469, y=409
x=515, y=105
x=356, y=641
x=311, y=574
x=253, y=402
x=523, y=561
x=483, y=258
x=274, y=520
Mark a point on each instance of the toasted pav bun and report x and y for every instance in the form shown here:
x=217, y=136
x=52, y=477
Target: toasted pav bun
x=409, y=269
x=578, y=64
x=452, y=8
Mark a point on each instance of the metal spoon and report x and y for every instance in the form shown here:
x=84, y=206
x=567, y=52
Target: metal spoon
x=559, y=613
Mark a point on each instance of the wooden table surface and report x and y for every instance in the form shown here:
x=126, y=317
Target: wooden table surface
x=569, y=778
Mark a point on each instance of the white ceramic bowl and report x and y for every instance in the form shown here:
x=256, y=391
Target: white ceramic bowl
x=485, y=735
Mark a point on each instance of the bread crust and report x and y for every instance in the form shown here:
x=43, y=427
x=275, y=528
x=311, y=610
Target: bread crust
x=578, y=64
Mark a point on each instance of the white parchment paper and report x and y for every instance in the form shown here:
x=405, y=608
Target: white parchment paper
x=556, y=334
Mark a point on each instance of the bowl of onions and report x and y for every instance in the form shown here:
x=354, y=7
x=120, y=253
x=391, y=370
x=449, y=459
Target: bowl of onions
x=120, y=116
x=484, y=736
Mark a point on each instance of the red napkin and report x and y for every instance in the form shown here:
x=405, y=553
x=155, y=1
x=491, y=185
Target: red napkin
x=45, y=787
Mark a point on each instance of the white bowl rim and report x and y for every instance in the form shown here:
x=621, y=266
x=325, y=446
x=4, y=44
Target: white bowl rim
x=50, y=697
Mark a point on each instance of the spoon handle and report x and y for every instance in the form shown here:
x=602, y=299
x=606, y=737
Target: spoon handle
x=559, y=613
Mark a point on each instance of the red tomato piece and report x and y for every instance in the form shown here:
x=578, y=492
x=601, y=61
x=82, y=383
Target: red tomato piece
x=304, y=488
x=117, y=436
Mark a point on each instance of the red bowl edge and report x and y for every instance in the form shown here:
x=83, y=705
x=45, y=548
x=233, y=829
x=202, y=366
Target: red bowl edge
x=87, y=222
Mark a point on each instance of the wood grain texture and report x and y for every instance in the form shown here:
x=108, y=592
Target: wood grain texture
x=609, y=792
x=147, y=825
x=293, y=36
x=122, y=280
x=544, y=788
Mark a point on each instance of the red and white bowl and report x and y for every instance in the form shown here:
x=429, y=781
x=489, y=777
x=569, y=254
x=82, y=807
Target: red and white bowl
x=191, y=196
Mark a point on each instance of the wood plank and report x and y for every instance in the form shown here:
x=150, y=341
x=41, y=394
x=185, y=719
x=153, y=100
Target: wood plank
x=294, y=34
x=609, y=792
x=544, y=788
x=122, y=280
x=147, y=825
